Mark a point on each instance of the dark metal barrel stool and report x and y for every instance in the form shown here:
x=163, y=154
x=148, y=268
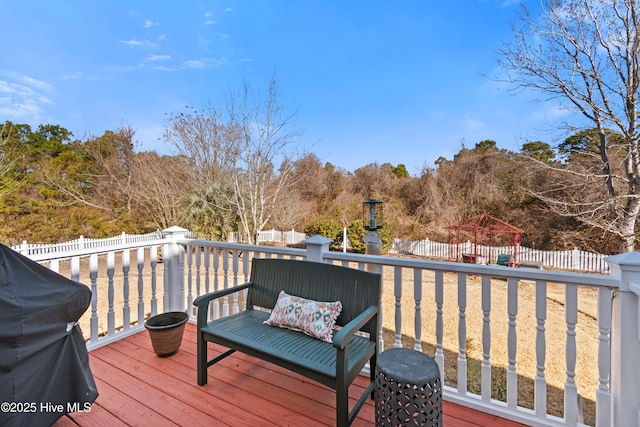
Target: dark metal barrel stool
x=408, y=389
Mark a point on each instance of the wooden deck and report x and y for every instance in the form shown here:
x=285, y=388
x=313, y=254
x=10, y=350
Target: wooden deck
x=139, y=389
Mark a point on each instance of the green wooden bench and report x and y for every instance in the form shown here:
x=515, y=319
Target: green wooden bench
x=335, y=364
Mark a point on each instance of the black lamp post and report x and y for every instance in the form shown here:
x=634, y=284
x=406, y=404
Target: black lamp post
x=372, y=220
x=372, y=217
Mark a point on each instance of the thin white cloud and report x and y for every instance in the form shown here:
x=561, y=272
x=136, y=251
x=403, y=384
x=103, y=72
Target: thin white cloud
x=79, y=76
x=38, y=84
x=166, y=68
x=148, y=23
x=155, y=58
x=228, y=9
x=131, y=42
x=137, y=43
x=207, y=63
x=195, y=64
x=23, y=98
x=208, y=19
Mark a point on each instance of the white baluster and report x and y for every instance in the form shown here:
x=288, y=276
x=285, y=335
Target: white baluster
x=462, y=333
x=153, y=254
x=93, y=276
x=603, y=393
x=381, y=344
x=512, y=373
x=570, y=388
x=190, y=250
x=216, y=284
x=485, y=387
x=75, y=268
x=397, y=293
x=126, y=314
x=439, y=296
x=166, y=260
x=417, y=295
x=235, y=267
x=540, y=404
x=198, y=255
x=111, y=316
x=225, y=271
x=245, y=272
x=140, y=259
x=207, y=271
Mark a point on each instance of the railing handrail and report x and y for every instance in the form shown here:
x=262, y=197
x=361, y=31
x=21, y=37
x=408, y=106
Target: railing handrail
x=588, y=279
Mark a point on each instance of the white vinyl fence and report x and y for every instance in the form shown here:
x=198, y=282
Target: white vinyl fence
x=264, y=236
x=83, y=243
x=573, y=259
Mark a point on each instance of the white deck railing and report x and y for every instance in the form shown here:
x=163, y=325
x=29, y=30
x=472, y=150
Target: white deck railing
x=490, y=344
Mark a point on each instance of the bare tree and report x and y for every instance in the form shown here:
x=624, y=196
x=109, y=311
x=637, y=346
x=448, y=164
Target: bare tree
x=7, y=159
x=246, y=147
x=161, y=184
x=291, y=210
x=586, y=54
x=208, y=143
x=102, y=177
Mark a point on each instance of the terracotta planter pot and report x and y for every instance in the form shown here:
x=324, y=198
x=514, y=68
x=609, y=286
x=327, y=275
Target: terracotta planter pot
x=166, y=332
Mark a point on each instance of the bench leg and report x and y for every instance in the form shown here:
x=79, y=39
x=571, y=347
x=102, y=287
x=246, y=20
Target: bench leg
x=372, y=373
x=342, y=405
x=202, y=360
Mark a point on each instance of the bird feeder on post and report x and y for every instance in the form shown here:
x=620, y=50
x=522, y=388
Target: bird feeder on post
x=372, y=218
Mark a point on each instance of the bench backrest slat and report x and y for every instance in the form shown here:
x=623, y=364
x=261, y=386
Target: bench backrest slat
x=355, y=289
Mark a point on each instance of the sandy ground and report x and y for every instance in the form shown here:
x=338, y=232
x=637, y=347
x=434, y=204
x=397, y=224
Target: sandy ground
x=555, y=326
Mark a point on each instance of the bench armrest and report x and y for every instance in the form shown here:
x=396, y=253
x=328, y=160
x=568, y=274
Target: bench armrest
x=202, y=302
x=342, y=337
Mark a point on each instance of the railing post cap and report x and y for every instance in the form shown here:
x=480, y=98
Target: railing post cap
x=317, y=240
x=175, y=230
x=625, y=266
x=627, y=259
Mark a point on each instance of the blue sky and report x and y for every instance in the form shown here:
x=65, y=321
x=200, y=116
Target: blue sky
x=371, y=81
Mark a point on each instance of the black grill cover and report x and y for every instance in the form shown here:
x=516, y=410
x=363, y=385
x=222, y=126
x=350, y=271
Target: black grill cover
x=44, y=365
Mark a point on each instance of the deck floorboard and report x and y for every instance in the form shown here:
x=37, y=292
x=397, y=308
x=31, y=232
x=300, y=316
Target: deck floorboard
x=137, y=388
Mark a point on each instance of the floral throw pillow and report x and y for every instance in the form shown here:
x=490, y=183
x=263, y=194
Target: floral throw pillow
x=315, y=319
